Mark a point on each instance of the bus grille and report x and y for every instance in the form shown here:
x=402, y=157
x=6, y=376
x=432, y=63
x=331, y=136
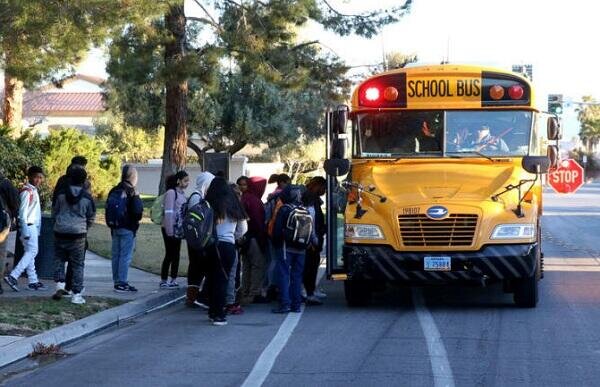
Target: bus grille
x=455, y=230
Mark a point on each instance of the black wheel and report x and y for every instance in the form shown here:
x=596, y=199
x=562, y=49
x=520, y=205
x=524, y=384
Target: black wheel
x=358, y=293
x=526, y=293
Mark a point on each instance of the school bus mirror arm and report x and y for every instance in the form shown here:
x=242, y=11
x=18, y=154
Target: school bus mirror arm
x=336, y=167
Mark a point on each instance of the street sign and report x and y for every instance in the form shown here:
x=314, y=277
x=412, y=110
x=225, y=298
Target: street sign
x=567, y=178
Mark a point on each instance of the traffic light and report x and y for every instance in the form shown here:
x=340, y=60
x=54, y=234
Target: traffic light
x=555, y=103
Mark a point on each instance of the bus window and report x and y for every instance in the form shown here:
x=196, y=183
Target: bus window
x=402, y=134
x=493, y=133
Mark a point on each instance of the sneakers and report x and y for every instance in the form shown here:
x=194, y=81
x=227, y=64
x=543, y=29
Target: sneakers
x=219, y=321
x=125, y=288
x=170, y=284
x=281, y=310
x=77, y=299
x=313, y=300
x=37, y=286
x=60, y=291
x=234, y=309
x=319, y=293
x=14, y=285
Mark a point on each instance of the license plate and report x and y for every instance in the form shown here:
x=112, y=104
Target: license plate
x=437, y=263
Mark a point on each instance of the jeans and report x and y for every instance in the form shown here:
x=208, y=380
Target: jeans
x=289, y=268
x=220, y=263
x=27, y=262
x=123, y=243
x=230, y=297
x=171, y=260
x=71, y=251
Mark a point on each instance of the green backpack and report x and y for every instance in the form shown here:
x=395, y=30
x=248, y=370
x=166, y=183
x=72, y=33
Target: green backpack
x=157, y=211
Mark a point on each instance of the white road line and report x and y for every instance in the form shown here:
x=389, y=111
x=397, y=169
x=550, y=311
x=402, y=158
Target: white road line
x=267, y=358
x=440, y=366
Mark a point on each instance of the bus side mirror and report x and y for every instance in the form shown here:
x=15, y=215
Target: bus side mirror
x=554, y=132
x=552, y=154
x=536, y=164
x=336, y=167
x=339, y=120
x=338, y=148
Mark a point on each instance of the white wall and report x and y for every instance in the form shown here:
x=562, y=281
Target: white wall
x=85, y=124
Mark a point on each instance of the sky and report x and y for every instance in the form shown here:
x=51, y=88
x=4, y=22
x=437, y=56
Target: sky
x=559, y=38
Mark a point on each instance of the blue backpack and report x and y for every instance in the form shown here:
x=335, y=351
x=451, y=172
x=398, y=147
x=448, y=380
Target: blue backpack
x=116, y=208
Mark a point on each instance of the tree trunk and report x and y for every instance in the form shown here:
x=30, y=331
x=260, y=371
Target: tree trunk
x=175, y=147
x=12, y=107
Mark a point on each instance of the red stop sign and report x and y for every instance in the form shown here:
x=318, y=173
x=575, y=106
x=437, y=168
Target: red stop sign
x=567, y=178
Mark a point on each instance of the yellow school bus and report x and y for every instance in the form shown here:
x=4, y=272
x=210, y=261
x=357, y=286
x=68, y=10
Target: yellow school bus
x=438, y=181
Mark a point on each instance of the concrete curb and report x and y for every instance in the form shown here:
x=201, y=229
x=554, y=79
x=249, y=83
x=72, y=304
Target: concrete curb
x=77, y=329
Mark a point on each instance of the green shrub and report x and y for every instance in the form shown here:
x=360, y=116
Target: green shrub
x=130, y=143
x=103, y=167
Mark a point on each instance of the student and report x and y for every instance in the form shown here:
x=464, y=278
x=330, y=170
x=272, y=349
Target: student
x=123, y=238
x=197, y=258
x=289, y=260
x=282, y=181
x=62, y=185
x=174, y=201
x=311, y=199
x=30, y=223
x=74, y=212
x=9, y=199
x=254, y=262
x=230, y=226
x=232, y=305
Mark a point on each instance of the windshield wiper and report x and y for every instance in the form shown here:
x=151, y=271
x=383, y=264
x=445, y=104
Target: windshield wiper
x=471, y=152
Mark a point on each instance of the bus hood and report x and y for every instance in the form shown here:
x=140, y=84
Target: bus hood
x=412, y=183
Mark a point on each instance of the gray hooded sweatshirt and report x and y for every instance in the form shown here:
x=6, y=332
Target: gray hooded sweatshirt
x=74, y=212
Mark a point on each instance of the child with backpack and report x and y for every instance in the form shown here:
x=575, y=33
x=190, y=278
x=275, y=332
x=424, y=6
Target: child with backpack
x=172, y=228
x=30, y=224
x=124, y=210
x=74, y=212
x=291, y=236
x=197, y=256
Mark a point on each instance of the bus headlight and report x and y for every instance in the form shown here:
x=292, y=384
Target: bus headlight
x=363, y=231
x=514, y=231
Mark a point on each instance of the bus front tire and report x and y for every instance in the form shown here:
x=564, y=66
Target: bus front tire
x=526, y=292
x=358, y=293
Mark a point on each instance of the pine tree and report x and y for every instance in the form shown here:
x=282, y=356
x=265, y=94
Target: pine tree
x=44, y=38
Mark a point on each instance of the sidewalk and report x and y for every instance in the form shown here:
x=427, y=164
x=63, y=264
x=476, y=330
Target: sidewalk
x=98, y=282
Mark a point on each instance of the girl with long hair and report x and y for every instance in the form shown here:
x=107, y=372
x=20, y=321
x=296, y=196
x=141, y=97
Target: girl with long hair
x=231, y=225
x=174, y=200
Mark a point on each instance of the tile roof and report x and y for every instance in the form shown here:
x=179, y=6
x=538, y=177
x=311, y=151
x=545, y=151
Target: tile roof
x=37, y=103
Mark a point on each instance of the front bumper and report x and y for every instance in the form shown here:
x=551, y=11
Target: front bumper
x=491, y=263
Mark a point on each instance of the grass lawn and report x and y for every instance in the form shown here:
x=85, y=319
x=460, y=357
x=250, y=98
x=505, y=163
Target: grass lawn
x=32, y=315
x=149, y=251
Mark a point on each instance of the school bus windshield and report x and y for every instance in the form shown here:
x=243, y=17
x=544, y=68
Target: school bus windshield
x=454, y=133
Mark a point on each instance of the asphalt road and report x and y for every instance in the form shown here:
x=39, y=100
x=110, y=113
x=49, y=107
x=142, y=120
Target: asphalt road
x=434, y=336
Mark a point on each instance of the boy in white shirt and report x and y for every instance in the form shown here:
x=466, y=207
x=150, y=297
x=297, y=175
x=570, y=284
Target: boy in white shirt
x=30, y=224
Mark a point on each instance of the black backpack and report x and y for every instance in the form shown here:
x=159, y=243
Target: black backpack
x=199, y=225
x=298, y=227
